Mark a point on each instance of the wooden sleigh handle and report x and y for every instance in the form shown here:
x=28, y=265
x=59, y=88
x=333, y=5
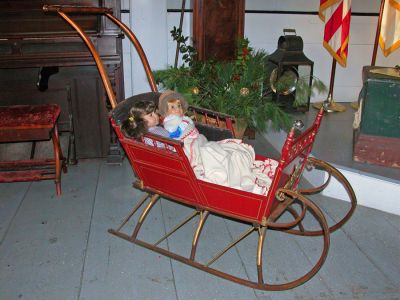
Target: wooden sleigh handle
x=77, y=9
x=62, y=10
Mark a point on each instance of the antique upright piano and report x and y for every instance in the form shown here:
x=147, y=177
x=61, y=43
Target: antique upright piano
x=43, y=60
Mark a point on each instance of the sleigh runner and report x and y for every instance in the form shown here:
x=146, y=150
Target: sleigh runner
x=165, y=172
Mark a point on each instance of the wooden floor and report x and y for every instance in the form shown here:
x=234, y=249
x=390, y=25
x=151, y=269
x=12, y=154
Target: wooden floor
x=59, y=248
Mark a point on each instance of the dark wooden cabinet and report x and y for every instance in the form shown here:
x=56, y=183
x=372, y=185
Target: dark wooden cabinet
x=33, y=42
x=217, y=25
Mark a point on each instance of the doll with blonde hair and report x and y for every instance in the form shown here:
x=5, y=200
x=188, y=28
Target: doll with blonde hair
x=172, y=106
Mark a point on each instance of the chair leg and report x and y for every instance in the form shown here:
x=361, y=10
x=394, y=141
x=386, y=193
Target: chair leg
x=33, y=148
x=58, y=159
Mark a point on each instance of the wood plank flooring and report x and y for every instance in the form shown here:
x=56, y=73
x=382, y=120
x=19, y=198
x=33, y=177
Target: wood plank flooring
x=58, y=247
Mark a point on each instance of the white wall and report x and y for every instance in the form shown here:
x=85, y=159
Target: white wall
x=152, y=24
x=148, y=21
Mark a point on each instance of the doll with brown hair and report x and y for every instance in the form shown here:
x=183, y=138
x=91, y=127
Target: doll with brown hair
x=172, y=106
x=143, y=118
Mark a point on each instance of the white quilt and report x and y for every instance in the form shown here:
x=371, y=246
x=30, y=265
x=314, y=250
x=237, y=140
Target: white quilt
x=229, y=163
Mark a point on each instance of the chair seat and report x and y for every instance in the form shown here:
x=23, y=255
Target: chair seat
x=28, y=116
x=27, y=122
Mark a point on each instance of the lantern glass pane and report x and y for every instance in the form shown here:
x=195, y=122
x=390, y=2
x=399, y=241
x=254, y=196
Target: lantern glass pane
x=304, y=71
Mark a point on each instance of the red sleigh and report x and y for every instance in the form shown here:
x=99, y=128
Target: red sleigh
x=166, y=173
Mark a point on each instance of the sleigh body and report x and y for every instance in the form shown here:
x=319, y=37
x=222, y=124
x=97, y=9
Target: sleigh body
x=165, y=172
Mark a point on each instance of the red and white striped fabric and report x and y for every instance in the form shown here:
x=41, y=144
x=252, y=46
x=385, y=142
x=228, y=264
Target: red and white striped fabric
x=336, y=15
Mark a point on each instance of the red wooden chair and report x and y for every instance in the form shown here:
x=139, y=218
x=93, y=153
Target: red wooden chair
x=22, y=123
x=166, y=172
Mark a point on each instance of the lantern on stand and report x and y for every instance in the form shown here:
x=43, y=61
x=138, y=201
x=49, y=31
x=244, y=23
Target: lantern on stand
x=289, y=65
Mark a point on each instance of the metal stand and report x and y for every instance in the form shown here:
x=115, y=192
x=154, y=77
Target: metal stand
x=329, y=104
x=180, y=30
x=354, y=105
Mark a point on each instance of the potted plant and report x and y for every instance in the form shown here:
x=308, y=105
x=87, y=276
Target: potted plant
x=239, y=88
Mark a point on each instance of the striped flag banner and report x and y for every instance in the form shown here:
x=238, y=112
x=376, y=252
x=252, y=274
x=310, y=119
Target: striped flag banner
x=336, y=15
x=389, y=38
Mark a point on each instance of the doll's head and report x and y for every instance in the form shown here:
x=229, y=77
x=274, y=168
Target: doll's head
x=142, y=116
x=172, y=103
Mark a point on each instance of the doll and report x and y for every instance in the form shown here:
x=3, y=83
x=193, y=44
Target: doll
x=143, y=118
x=172, y=106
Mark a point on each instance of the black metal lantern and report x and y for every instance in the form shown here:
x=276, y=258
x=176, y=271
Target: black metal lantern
x=290, y=64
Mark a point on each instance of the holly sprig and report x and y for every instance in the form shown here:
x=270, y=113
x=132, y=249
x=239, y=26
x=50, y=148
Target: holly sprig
x=188, y=52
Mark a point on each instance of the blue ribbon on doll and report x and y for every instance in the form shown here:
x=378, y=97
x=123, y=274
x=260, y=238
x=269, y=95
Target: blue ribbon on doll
x=177, y=133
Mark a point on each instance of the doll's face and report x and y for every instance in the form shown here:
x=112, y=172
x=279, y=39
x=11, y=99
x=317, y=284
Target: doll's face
x=174, y=108
x=152, y=119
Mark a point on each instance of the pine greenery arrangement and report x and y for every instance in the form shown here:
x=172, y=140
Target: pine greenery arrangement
x=239, y=88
